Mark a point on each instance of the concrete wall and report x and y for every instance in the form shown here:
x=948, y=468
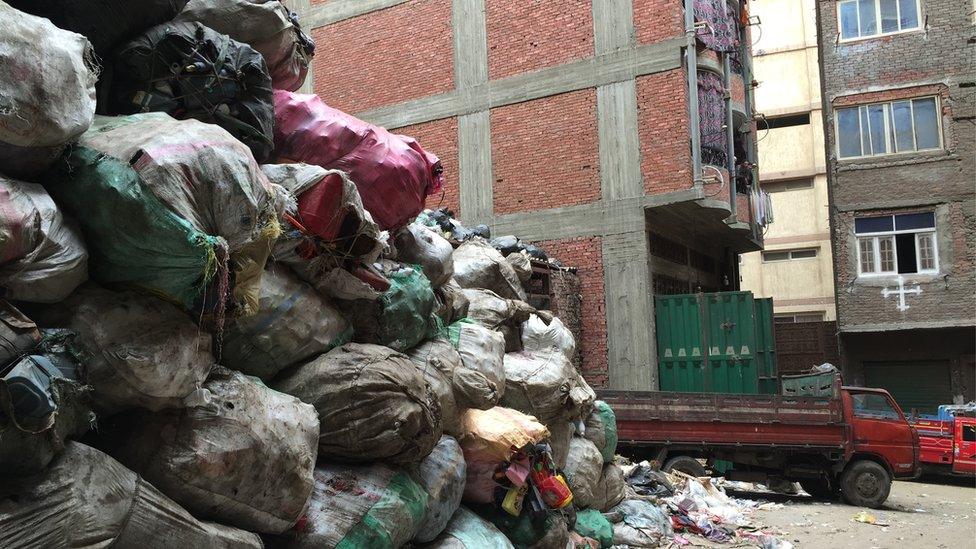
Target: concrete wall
x=788, y=76
x=560, y=121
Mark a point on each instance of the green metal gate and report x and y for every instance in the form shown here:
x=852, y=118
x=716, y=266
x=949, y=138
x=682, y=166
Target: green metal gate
x=716, y=343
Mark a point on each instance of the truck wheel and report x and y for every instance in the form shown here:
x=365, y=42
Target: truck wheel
x=819, y=488
x=865, y=484
x=686, y=464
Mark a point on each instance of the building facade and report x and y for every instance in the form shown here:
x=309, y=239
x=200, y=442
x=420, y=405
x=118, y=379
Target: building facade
x=617, y=134
x=796, y=267
x=898, y=83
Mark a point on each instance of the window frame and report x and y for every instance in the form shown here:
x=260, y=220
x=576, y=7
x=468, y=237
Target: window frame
x=789, y=254
x=877, y=11
x=876, y=249
x=890, y=138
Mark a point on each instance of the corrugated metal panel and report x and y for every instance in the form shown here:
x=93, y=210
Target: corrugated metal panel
x=715, y=343
x=919, y=385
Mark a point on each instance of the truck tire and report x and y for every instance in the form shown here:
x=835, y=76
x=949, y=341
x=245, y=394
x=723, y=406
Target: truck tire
x=685, y=464
x=820, y=488
x=865, y=484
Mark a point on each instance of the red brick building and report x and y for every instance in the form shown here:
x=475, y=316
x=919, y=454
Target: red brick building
x=574, y=124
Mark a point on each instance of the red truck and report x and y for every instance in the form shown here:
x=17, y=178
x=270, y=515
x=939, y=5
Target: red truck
x=854, y=442
x=948, y=446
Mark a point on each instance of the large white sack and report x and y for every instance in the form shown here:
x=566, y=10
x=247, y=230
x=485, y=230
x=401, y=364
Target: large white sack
x=480, y=381
x=478, y=265
x=498, y=313
x=584, y=467
x=539, y=336
x=361, y=507
x=439, y=362
x=442, y=475
x=546, y=385
x=87, y=499
x=373, y=404
x=419, y=245
x=47, y=92
x=293, y=323
x=267, y=26
x=469, y=531
x=239, y=453
x=610, y=490
x=138, y=351
x=522, y=264
x=43, y=258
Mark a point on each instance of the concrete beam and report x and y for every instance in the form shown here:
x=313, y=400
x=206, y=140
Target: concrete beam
x=619, y=66
x=340, y=10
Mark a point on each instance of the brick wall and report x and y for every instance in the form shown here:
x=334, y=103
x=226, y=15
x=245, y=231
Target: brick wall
x=392, y=55
x=934, y=60
x=527, y=35
x=441, y=138
x=657, y=20
x=545, y=153
x=587, y=255
x=662, y=125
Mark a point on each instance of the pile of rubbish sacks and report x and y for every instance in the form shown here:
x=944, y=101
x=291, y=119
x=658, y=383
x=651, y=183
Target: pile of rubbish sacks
x=226, y=319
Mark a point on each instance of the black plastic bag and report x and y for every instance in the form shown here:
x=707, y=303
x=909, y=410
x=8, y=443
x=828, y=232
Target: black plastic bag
x=190, y=71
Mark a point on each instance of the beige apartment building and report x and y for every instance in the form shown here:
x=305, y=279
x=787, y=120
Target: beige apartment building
x=795, y=269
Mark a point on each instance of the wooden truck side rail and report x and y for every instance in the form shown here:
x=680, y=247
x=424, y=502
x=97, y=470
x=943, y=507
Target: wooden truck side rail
x=648, y=418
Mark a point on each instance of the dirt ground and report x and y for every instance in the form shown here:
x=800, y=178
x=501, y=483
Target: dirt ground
x=929, y=513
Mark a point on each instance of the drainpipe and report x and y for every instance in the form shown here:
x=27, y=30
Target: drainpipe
x=691, y=62
x=753, y=157
x=729, y=134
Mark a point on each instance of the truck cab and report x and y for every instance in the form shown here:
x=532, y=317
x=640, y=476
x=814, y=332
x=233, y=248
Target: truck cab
x=948, y=442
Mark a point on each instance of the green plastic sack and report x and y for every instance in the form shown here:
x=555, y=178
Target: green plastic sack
x=591, y=523
x=469, y=531
x=401, y=318
x=601, y=430
x=522, y=531
x=133, y=238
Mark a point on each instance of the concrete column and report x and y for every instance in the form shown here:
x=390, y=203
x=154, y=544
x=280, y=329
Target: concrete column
x=631, y=346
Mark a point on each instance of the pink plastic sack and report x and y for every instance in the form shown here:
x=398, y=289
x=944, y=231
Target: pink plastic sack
x=393, y=173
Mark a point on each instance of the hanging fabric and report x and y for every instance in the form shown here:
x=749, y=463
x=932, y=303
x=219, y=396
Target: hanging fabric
x=711, y=111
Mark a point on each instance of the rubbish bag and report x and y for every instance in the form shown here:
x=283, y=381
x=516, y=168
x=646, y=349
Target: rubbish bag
x=560, y=434
x=327, y=224
x=166, y=223
x=190, y=71
x=592, y=524
x=43, y=258
x=537, y=335
x=87, y=499
x=374, y=506
x=104, y=22
x=42, y=404
x=416, y=244
x=524, y=532
x=601, y=429
x=480, y=381
x=439, y=362
x=466, y=530
x=584, y=467
x=393, y=173
x=267, y=26
x=610, y=490
x=490, y=438
x=401, y=318
x=647, y=480
x=503, y=315
x=557, y=533
x=373, y=404
x=478, y=265
x=239, y=452
x=294, y=323
x=47, y=95
x=522, y=264
x=546, y=385
x=506, y=244
x=18, y=333
x=644, y=524
x=442, y=476
x=451, y=303
x=138, y=351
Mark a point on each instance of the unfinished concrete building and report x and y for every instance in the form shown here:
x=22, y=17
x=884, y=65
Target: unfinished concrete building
x=898, y=96
x=617, y=134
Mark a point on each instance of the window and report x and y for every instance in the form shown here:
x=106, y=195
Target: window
x=792, y=318
x=969, y=433
x=786, y=186
x=888, y=128
x=872, y=406
x=787, y=121
x=897, y=244
x=866, y=18
x=789, y=255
